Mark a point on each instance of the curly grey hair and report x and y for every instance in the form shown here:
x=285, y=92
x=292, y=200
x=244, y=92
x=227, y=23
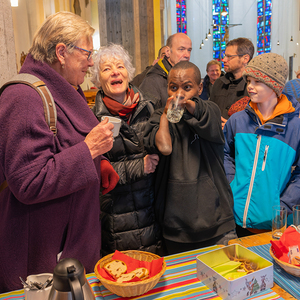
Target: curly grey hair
x=108, y=52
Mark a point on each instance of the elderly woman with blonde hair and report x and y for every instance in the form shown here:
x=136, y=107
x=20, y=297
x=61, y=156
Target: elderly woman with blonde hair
x=127, y=212
x=50, y=209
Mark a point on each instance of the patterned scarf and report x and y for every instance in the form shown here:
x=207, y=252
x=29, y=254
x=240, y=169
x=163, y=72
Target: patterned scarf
x=126, y=109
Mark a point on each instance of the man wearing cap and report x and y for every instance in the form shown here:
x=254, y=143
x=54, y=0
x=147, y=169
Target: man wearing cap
x=230, y=88
x=262, y=144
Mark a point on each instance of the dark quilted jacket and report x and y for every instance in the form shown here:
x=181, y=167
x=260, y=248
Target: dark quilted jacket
x=127, y=213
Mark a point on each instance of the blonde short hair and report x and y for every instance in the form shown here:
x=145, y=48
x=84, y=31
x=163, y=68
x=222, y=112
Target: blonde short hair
x=62, y=27
x=213, y=62
x=107, y=52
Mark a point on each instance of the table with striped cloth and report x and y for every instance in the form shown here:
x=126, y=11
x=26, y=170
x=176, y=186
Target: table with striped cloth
x=178, y=282
x=288, y=282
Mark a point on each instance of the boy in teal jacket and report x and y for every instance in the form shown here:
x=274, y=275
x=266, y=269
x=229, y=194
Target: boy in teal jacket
x=262, y=146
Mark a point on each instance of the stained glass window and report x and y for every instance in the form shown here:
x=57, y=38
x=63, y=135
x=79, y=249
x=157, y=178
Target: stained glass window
x=181, y=15
x=264, y=20
x=220, y=25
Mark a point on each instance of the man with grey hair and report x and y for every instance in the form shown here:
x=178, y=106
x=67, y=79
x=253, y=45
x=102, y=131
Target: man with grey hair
x=178, y=48
x=231, y=87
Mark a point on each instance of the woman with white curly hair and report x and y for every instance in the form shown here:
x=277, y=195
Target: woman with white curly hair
x=127, y=212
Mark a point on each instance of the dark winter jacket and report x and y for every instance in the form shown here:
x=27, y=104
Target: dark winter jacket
x=52, y=203
x=226, y=91
x=206, y=85
x=138, y=79
x=156, y=81
x=193, y=197
x=127, y=212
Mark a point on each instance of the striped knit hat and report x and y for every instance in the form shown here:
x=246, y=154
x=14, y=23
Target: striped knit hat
x=269, y=68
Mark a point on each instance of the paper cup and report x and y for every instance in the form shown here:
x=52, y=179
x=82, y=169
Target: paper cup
x=116, y=122
x=42, y=294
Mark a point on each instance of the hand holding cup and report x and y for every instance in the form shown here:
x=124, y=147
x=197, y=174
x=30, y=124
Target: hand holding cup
x=116, y=122
x=176, y=108
x=100, y=138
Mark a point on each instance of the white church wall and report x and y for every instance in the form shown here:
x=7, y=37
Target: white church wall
x=285, y=23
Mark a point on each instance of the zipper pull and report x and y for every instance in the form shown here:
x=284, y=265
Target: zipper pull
x=265, y=158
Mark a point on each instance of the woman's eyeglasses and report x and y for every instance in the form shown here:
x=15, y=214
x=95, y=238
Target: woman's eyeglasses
x=89, y=52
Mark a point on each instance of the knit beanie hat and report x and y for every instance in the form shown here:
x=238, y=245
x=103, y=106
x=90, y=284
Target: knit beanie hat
x=269, y=68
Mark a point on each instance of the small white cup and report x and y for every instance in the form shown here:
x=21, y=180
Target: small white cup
x=42, y=294
x=116, y=122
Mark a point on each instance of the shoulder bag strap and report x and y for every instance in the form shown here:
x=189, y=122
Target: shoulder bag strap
x=46, y=96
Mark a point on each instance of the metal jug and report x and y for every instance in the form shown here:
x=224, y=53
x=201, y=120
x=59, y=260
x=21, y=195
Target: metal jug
x=69, y=282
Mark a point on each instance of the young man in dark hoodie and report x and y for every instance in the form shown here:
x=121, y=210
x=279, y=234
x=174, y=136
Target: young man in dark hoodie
x=194, y=201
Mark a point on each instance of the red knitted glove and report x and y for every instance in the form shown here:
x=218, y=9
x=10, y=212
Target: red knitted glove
x=109, y=177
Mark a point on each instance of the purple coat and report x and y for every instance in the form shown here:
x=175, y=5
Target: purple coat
x=52, y=203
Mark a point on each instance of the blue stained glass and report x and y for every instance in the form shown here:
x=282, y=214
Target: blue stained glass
x=181, y=15
x=216, y=19
x=264, y=18
x=219, y=30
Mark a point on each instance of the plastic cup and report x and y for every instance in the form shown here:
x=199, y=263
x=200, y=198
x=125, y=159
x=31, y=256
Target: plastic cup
x=296, y=217
x=279, y=221
x=176, y=108
x=116, y=122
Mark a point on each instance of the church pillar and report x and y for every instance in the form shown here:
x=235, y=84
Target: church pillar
x=7, y=49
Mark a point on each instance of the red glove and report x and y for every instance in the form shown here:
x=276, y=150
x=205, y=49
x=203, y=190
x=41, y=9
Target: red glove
x=109, y=177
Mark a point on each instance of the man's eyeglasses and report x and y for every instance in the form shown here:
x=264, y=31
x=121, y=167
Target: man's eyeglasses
x=89, y=52
x=230, y=57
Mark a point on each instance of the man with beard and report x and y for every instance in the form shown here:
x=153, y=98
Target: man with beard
x=230, y=88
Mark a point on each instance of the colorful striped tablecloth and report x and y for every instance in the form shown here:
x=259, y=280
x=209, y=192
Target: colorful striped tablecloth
x=178, y=282
x=288, y=282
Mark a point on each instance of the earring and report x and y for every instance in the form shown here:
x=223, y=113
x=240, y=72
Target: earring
x=62, y=65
